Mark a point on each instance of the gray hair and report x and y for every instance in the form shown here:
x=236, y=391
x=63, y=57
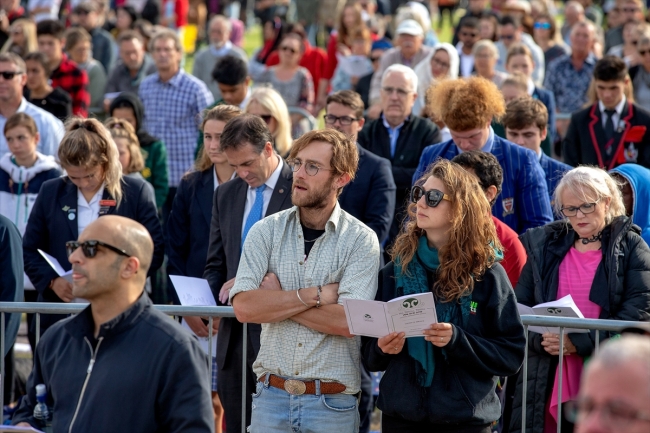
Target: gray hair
x=628, y=348
x=485, y=44
x=591, y=184
x=223, y=19
x=409, y=74
x=15, y=59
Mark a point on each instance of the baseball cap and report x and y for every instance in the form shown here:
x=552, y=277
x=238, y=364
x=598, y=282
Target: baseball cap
x=409, y=27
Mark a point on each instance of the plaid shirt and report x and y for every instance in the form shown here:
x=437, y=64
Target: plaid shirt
x=172, y=113
x=69, y=77
x=348, y=254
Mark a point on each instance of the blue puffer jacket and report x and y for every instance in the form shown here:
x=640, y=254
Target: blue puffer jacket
x=639, y=179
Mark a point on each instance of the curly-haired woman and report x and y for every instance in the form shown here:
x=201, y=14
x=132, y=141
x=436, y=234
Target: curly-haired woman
x=445, y=380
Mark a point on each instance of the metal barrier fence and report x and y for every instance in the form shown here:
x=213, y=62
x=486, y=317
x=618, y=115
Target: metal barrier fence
x=562, y=323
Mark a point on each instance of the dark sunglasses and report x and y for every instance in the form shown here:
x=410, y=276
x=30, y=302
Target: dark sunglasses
x=433, y=197
x=9, y=75
x=545, y=26
x=291, y=50
x=89, y=248
x=643, y=52
x=374, y=59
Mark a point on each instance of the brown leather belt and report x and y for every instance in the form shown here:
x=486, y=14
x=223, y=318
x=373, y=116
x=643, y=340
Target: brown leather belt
x=299, y=387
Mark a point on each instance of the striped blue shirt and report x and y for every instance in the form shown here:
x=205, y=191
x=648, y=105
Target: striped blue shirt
x=172, y=113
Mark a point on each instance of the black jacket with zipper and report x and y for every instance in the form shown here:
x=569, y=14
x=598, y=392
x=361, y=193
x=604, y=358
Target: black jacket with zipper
x=142, y=374
x=621, y=288
x=489, y=345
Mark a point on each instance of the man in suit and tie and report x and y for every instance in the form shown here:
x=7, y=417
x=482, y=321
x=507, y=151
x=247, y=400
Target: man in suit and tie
x=613, y=130
x=262, y=188
x=398, y=135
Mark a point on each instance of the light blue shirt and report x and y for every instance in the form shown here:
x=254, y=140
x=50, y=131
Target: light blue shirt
x=393, y=134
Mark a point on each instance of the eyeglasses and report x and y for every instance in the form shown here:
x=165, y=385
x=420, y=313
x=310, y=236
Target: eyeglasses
x=587, y=208
x=89, y=248
x=9, y=75
x=344, y=120
x=374, y=59
x=614, y=414
x=402, y=93
x=310, y=168
x=291, y=50
x=433, y=197
x=544, y=26
x=266, y=118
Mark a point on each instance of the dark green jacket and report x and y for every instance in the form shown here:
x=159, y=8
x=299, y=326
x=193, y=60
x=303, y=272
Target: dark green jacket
x=155, y=170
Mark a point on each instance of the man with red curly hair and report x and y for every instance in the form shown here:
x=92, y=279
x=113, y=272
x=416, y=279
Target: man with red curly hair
x=467, y=107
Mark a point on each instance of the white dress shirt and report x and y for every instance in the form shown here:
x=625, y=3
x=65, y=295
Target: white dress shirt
x=87, y=212
x=268, y=192
x=216, y=179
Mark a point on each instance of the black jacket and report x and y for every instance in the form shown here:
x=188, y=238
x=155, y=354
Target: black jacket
x=585, y=141
x=416, y=134
x=148, y=375
x=621, y=288
x=463, y=389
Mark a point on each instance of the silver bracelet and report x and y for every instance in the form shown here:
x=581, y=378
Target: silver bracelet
x=298, y=293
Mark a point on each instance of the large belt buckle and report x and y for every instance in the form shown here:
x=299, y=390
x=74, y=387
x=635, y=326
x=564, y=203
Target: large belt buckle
x=295, y=387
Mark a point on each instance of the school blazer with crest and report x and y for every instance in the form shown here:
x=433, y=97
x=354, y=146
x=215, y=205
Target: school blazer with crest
x=50, y=226
x=586, y=135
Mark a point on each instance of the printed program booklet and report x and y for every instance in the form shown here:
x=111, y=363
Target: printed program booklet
x=563, y=307
x=411, y=314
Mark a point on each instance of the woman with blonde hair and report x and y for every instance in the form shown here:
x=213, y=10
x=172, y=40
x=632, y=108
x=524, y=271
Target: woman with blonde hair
x=445, y=380
x=22, y=38
x=269, y=105
x=189, y=220
x=597, y=256
x=128, y=146
x=93, y=186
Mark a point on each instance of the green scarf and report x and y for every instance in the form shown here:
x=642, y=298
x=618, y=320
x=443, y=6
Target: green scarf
x=415, y=281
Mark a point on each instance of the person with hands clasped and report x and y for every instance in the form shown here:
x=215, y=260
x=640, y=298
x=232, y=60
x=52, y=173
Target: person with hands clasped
x=445, y=380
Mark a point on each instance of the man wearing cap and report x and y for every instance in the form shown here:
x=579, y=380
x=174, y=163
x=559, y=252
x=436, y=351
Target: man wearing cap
x=409, y=51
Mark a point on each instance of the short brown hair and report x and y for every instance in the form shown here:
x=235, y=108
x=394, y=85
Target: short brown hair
x=519, y=50
x=518, y=80
x=129, y=35
x=39, y=57
x=348, y=98
x=166, y=34
x=224, y=113
x=523, y=112
x=120, y=128
x=74, y=36
x=465, y=104
x=345, y=156
x=21, y=119
x=246, y=129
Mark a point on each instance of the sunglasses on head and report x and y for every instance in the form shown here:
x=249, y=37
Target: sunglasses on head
x=433, y=197
x=9, y=75
x=544, y=26
x=89, y=248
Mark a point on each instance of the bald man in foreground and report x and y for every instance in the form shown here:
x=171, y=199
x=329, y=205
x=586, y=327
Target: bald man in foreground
x=119, y=365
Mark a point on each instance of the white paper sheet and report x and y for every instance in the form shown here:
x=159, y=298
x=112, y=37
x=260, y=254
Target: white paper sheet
x=195, y=292
x=411, y=314
x=563, y=307
x=54, y=263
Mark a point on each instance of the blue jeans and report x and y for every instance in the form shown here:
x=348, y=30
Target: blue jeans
x=277, y=411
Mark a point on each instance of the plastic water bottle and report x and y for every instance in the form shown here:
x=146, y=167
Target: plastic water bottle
x=41, y=411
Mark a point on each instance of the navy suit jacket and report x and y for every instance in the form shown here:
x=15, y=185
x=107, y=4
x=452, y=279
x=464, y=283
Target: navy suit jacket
x=523, y=203
x=370, y=197
x=188, y=225
x=224, y=250
x=547, y=98
x=49, y=227
x=554, y=171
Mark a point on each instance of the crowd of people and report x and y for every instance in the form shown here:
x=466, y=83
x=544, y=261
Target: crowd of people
x=508, y=165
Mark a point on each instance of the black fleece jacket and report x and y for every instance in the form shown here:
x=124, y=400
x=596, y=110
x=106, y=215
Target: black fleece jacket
x=489, y=345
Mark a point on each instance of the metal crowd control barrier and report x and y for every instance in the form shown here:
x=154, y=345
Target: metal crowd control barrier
x=39, y=308
x=305, y=114
x=562, y=323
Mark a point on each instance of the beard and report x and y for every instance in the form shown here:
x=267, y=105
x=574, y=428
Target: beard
x=314, y=198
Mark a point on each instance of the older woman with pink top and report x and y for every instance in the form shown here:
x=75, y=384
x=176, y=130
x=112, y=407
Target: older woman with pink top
x=597, y=256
